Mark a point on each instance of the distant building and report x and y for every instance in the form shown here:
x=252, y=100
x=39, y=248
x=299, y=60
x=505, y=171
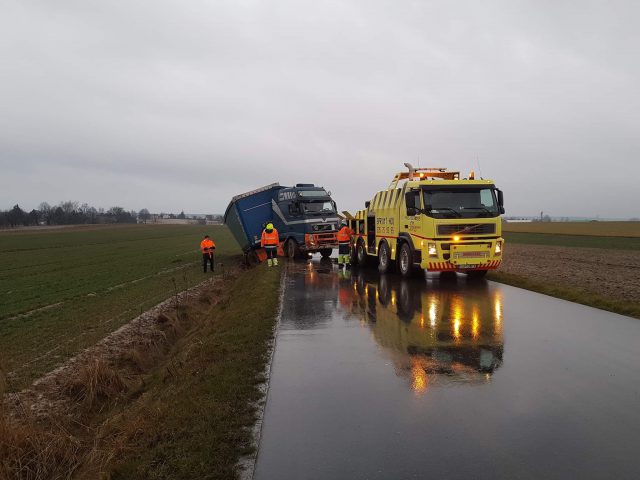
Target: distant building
x=518, y=220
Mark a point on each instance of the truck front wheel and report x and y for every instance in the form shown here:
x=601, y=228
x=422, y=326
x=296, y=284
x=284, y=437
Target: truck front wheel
x=405, y=260
x=292, y=249
x=326, y=252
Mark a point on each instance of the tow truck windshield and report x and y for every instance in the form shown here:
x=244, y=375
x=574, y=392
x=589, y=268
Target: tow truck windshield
x=460, y=202
x=318, y=207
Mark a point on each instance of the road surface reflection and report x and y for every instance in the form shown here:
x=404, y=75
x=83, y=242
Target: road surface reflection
x=435, y=332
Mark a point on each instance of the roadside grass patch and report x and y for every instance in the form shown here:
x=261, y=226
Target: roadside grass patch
x=194, y=418
x=177, y=403
x=631, y=309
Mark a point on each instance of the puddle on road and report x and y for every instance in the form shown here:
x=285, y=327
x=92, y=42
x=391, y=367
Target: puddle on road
x=435, y=336
x=437, y=331
x=377, y=377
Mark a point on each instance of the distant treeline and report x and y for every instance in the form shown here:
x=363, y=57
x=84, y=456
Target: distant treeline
x=68, y=213
x=75, y=213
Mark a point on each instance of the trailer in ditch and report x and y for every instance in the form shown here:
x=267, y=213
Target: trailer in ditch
x=304, y=215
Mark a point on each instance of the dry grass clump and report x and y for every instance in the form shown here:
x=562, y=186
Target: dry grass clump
x=28, y=452
x=95, y=383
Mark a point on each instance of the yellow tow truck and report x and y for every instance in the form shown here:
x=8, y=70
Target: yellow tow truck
x=431, y=219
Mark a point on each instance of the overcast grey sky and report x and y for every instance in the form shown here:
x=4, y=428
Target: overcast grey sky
x=174, y=105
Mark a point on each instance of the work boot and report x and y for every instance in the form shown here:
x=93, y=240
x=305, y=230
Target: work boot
x=269, y=262
x=275, y=261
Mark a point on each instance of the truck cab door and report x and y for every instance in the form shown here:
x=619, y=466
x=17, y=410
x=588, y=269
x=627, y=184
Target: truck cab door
x=371, y=233
x=410, y=211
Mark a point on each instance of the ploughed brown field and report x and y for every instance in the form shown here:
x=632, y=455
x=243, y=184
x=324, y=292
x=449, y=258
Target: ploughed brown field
x=611, y=273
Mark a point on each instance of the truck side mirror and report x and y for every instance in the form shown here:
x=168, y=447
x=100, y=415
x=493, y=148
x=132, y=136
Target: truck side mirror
x=366, y=204
x=500, y=200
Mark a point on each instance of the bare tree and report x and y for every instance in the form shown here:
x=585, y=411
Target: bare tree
x=144, y=215
x=46, y=212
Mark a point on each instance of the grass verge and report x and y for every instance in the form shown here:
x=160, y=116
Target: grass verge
x=568, y=293
x=194, y=418
x=179, y=402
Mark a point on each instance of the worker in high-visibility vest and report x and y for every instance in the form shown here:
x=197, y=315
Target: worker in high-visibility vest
x=344, y=245
x=269, y=242
x=207, y=247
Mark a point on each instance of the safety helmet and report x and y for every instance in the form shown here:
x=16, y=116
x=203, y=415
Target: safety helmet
x=343, y=223
x=269, y=226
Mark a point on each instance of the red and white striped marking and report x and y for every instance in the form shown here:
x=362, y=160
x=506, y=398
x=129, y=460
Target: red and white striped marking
x=447, y=266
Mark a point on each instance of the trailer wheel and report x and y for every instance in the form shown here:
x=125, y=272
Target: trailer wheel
x=405, y=260
x=361, y=254
x=384, y=258
x=292, y=249
x=326, y=252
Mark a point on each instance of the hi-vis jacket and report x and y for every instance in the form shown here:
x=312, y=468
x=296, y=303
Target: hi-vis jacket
x=269, y=239
x=207, y=246
x=344, y=235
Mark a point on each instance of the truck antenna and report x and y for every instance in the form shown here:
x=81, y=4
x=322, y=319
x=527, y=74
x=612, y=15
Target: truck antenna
x=479, y=169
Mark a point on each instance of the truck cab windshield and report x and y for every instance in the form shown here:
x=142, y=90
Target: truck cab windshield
x=467, y=202
x=318, y=207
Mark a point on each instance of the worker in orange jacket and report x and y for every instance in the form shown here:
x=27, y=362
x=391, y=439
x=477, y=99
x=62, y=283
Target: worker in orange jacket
x=269, y=242
x=344, y=245
x=207, y=247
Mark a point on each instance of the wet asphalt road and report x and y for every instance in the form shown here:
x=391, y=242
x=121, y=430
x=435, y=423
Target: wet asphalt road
x=375, y=377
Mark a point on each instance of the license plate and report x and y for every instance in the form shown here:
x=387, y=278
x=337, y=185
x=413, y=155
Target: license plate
x=466, y=265
x=471, y=254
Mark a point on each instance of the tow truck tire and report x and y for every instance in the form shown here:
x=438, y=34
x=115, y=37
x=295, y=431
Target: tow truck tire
x=353, y=255
x=384, y=258
x=326, y=252
x=361, y=254
x=405, y=260
x=292, y=249
x=476, y=274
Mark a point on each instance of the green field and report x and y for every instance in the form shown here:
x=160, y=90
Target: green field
x=62, y=290
x=598, y=229
x=585, y=241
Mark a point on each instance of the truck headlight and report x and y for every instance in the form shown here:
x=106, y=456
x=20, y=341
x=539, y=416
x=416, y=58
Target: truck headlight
x=433, y=250
x=498, y=249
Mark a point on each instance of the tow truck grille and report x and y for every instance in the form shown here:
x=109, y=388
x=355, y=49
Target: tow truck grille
x=467, y=229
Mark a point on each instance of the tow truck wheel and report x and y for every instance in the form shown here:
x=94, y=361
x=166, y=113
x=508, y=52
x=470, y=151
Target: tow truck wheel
x=384, y=258
x=361, y=255
x=405, y=260
x=326, y=252
x=292, y=249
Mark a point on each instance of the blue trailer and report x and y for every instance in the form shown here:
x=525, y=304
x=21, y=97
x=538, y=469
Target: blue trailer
x=304, y=215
